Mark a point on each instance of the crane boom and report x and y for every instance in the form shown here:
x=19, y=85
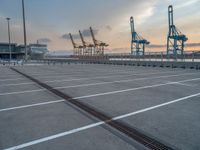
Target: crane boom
x=82, y=39
x=73, y=43
x=98, y=45
x=132, y=24
x=170, y=16
x=134, y=34
x=77, y=48
x=93, y=38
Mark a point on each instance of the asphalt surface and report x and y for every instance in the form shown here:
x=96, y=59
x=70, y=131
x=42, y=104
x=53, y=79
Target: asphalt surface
x=162, y=103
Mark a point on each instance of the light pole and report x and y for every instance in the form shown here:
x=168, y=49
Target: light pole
x=8, y=20
x=24, y=25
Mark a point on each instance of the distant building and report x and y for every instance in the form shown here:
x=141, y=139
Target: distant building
x=20, y=48
x=37, y=50
x=16, y=53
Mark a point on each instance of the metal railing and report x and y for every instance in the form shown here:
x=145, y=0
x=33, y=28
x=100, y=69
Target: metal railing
x=191, y=56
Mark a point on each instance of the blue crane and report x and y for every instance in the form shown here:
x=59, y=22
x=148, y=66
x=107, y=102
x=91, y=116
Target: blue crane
x=137, y=43
x=175, y=39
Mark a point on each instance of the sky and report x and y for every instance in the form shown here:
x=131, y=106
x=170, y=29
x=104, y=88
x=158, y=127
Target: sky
x=50, y=21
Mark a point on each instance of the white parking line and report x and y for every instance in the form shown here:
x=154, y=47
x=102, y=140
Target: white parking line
x=133, y=89
x=77, y=79
x=119, y=81
x=31, y=143
x=32, y=105
x=156, y=106
x=49, y=76
x=12, y=79
x=114, y=71
x=22, y=92
x=16, y=84
x=99, y=94
x=93, y=84
x=185, y=84
x=103, y=77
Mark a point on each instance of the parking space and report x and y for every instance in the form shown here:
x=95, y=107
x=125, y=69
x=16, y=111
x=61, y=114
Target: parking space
x=162, y=103
x=178, y=124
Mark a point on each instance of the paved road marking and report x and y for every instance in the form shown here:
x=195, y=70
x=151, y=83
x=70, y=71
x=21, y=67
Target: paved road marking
x=92, y=84
x=99, y=94
x=119, y=81
x=32, y=105
x=31, y=143
x=52, y=73
x=156, y=106
x=12, y=79
x=46, y=76
x=188, y=80
x=103, y=77
x=130, y=70
x=22, y=92
x=134, y=89
x=77, y=79
x=184, y=84
x=16, y=84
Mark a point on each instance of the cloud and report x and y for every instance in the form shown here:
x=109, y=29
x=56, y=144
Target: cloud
x=109, y=28
x=66, y=36
x=186, y=3
x=151, y=47
x=142, y=17
x=85, y=32
x=44, y=40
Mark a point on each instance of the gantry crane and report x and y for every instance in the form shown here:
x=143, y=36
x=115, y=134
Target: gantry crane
x=98, y=45
x=137, y=43
x=175, y=39
x=77, y=48
x=87, y=47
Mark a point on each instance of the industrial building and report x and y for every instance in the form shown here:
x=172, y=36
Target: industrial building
x=18, y=51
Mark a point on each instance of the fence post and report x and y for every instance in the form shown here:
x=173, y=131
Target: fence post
x=193, y=56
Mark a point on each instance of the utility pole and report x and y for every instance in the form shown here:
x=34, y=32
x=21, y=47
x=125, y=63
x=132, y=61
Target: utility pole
x=8, y=20
x=24, y=25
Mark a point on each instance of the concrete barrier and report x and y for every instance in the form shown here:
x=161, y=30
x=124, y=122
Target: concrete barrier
x=171, y=64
